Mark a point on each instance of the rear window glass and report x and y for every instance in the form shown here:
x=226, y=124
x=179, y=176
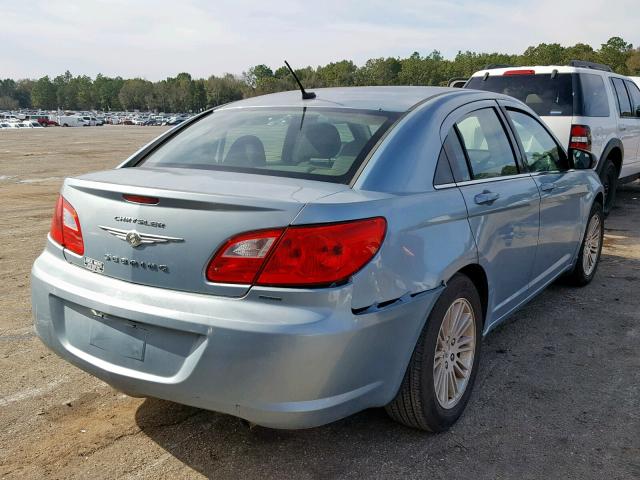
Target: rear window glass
x=544, y=95
x=313, y=143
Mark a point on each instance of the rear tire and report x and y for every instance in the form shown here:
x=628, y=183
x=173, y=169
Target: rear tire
x=609, y=178
x=589, y=255
x=423, y=401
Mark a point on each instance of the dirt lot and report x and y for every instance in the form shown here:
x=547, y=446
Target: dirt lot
x=558, y=394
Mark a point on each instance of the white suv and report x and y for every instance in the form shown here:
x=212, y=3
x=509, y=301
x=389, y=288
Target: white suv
x=586, y=105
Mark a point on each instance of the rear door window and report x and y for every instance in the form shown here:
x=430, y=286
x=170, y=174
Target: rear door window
x=593, y=96
x=443, y=175
x=542, y=153
x=634, y=93
x=624, y=104
x=486, y=144
x=456, y=156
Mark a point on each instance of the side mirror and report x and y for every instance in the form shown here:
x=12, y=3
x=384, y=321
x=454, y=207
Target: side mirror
x=582, y=159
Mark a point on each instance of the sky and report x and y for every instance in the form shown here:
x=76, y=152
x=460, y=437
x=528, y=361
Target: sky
x=160, y=38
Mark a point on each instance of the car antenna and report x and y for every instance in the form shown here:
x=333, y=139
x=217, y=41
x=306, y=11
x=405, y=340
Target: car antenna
x=305, y=95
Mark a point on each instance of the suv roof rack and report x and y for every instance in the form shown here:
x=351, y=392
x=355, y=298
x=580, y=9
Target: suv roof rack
x=492, y=66
x=592, y=65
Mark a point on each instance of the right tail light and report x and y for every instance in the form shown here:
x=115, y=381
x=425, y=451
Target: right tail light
x=299, y=256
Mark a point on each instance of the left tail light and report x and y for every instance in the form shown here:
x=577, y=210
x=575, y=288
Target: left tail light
x=298, y=256
x=580, y=137
x=65, y=227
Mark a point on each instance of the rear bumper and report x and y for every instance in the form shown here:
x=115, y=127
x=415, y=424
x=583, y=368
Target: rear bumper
x=297, y=362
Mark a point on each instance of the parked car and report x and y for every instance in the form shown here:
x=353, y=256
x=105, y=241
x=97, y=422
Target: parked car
x=31, y=124
x=89, y=121
x=71, y=121
x=292, y=261
x=586, y=105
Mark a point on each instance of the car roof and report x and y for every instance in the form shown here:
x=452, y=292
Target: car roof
x=390, y=99
x=545, y=69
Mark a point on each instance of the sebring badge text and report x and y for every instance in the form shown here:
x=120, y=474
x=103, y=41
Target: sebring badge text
x=136, y=263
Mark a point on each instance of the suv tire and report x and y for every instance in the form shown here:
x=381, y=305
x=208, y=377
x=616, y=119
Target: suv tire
x=609, y=178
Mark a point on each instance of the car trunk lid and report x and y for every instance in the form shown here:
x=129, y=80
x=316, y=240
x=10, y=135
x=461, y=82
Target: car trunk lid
x=169, y=244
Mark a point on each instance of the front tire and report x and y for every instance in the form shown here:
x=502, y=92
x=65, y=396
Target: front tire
x=609, y=178
x=589, y=255
x=440, y=376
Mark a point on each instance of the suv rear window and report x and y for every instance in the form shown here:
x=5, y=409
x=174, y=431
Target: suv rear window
x=565, y=95
x=313, y=143
x=544, y=95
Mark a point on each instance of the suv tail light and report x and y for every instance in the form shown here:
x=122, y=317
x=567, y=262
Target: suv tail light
x=65, y=227
x=298, y=256
x=580, y=137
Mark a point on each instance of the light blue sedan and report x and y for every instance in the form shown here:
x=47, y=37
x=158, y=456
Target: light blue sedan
x=294, y=260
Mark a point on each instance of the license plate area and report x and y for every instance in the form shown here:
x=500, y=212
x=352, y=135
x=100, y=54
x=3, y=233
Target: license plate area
x=95, y=335
x=127, y=339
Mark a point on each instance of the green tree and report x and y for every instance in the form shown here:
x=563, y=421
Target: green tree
x=199, y=100
x=66, y=92
x=633, y=62
x=8, y=103
x=134, y=94
x=544, y=54
x=85, y=96
x=106, y=92
x=257, y=74
x=43, y=94
x=7, y=88
x=580, y=51
x=379, y=71
x=23, y=92
x=221, y=90
x=615, y=53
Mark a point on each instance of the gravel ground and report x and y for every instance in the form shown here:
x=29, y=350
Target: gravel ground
x=557, y=396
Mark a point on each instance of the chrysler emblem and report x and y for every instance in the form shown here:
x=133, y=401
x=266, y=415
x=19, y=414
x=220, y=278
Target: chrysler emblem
x=135, y=238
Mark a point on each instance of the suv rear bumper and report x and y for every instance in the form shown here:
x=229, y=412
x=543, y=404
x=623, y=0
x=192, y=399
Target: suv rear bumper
x=297, y=362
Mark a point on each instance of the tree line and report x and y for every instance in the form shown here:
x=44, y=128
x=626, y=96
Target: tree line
x=183, y=93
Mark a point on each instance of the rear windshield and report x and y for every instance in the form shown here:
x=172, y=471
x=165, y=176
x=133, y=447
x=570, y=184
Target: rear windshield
x=314, y=143
x=565, y=95
x=544, y=95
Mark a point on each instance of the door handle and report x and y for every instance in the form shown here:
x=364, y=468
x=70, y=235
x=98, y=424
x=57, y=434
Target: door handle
x=622, y=128
x=547, y=187
x=486, y=197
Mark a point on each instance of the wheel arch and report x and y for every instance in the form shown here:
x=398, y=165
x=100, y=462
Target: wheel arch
x=614, y=150
x=599, y=198
x=478, y=276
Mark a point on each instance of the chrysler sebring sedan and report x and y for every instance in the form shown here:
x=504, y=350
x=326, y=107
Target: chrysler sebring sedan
x=292, y=260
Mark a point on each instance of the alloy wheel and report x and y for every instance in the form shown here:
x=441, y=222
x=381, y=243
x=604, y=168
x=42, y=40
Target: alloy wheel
x=455, y=349
x=592, y=241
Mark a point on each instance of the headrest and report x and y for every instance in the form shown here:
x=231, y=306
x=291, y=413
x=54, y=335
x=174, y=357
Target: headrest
x=533, y=99
x=324, y=138
x=246, y=151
